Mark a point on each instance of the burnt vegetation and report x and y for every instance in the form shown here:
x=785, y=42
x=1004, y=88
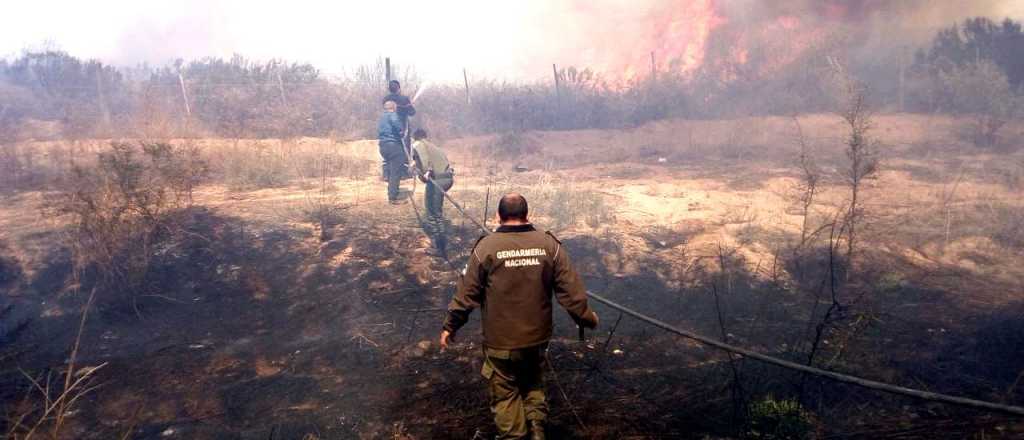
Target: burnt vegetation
x=219, y=269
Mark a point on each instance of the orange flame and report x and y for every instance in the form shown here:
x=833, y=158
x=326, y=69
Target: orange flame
x=687, y=36
x=674, y=32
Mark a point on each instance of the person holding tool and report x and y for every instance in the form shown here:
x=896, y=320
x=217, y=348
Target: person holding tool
x=512, y=275
x=389, y=135
x=437, y=174
x=404, y=109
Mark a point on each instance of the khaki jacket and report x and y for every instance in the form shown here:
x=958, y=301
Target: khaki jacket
x=511, y=275
x=430, y=158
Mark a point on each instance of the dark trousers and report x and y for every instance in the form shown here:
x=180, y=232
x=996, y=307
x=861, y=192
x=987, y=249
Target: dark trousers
x=406, y=146
x=394, y=159
x=433, y=197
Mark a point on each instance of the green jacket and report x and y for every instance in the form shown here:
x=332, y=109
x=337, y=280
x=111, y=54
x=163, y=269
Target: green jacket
x=429, y=157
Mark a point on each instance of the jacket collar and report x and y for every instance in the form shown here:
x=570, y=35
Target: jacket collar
x=515, y=228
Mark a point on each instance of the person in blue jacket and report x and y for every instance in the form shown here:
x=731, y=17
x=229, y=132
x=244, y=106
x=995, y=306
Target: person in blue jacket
x=405, y=110
x=389, y=135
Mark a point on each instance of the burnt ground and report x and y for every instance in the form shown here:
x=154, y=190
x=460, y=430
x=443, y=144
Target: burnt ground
x=249, y=327
x=249, y=330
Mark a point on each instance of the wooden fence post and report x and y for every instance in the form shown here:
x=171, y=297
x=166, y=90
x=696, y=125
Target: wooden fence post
x=558, y=91
x=280, y=86
x=184, y=94
x=654, y=68
x=558, y=96
x=903, y=76
x=104, y=108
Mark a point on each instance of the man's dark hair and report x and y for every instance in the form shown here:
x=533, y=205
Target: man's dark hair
x=419, y=134
x=394, y=86
x=513, y=206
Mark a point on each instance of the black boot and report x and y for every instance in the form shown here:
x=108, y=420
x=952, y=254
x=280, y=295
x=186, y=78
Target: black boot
x=536, y=430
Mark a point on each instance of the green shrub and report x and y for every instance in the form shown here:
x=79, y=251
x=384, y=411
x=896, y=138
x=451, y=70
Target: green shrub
x=772, y=419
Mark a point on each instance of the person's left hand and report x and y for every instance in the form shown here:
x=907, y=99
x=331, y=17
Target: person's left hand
x=446, y=336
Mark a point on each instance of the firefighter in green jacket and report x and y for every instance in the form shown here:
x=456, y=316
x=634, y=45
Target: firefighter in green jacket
x=436, y=172
x=512, y=275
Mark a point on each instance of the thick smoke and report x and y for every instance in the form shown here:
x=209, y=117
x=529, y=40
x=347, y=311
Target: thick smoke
x=518, y=41
x=616, y=38
x=910, y=20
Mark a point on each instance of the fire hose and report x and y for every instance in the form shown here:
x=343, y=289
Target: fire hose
x=831, y=375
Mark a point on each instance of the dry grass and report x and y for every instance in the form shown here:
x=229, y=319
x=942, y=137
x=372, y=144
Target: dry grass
x=48, y=404
x=248, y=165
x=555, y=204
x=569, y=191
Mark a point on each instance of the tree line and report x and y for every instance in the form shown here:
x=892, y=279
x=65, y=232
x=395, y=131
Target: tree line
x=975, y=68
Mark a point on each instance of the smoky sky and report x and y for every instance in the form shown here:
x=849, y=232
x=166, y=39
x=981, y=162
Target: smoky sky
x=496, y=39
x=908, y=19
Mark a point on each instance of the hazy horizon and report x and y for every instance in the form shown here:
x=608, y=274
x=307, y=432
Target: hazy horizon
x=514, y=41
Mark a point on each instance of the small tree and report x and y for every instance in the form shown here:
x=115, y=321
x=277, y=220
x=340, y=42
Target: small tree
x=861, y=149
x=982, y=91
x=979, y=38
x=810, y=176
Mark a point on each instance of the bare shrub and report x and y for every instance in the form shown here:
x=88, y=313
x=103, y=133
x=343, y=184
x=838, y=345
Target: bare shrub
x=179, y=168
x=861, y=149
x=15, y=108
x=1015, y=177
x=26, y=166
x=743, y=216
x=511, y=145
x=806, y=188
x=322, y=206
x=664, y=237
x=12, y=171
x=1006, y=170
x=981, y=91
x=749, y=233
x=1008, y=222
x=120, y=207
